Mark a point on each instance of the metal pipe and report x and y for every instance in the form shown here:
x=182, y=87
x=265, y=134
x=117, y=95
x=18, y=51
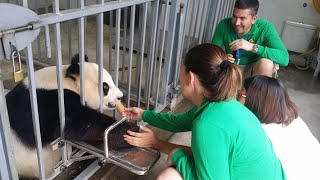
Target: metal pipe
x=162, y=50
x=190, y=24
x=152, y=50
x=47, y=34
x=69, y=14
x=57, y=39
x=106, y=133
x=81, y=53
x=34, y=110
x=132, y=19
x=116, y=69
x=143, y=38
x=203, y=19
x=100, y=55
x=124, y=44
x=169, y=50
x=8, y=167
x=110, y=39
x=197, y=21
x=69, y=33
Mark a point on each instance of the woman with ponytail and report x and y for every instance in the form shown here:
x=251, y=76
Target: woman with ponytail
x=227, y=142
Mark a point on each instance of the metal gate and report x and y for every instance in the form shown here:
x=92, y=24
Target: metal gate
x=140, y=42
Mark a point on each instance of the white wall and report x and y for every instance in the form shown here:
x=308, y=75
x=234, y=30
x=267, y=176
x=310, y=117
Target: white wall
x=278, y=11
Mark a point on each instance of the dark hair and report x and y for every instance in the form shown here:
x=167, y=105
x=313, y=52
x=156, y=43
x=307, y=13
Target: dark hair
x=248, y=4
x=268, y=99
x=219, y=78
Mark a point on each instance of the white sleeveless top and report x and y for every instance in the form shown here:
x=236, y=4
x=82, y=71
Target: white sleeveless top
x=297, y=149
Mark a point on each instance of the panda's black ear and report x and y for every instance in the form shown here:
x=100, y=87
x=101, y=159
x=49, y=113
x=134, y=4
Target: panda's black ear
x=73, y=69
x=76, y=59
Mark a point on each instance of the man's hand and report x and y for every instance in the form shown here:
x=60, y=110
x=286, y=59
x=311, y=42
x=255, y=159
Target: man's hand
x=241, y=44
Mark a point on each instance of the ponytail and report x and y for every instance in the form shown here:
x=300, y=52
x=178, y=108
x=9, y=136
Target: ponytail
x=220, y=79
x=228, y=83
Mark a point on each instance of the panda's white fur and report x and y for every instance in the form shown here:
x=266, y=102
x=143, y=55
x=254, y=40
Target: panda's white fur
x=46, y=79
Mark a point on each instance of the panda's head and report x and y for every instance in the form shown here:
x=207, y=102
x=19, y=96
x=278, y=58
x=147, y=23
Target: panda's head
x=111, y=94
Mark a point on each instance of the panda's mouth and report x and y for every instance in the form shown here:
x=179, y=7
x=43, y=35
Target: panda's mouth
x=111, y=105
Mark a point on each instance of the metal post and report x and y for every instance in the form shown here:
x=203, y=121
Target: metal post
x=142, y=43
x=7, y=169
x=161, y=51
x=57, y=36
x=169, y=49
x=100, y=55
x=152, y=50
x=81, y=53
x=132, y=19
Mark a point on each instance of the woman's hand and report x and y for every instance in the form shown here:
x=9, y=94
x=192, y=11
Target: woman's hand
x=133, y=113
x=145, y=138
x=229, y=57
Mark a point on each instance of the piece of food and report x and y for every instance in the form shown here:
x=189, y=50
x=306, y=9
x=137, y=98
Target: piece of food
x=120, y=107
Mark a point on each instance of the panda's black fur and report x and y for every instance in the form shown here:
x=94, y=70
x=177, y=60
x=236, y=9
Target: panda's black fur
x=82, y=122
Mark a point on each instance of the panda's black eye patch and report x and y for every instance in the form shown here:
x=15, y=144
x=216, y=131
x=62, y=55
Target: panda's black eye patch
x=105, y=88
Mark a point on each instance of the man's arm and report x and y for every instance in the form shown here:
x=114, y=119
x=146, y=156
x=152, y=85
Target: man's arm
x=273, y=48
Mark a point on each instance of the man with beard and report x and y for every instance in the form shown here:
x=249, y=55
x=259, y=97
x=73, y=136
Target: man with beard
x=251, y=42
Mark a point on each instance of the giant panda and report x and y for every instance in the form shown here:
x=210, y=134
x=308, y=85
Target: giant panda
x=78, y=117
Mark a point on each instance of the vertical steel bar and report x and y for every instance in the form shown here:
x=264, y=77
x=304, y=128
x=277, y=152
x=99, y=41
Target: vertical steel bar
x=85, y=31
x=81, y=53
x=190, y=23
x=142, y=43
x=8, y=167
x=39, y=37
x=34, y=106
x=161, y=51
x=116, y=69
x=197, y=21
x=215, y=18
x=57, y=39
x=132, y=19
x=138, y=41
x=186, y=13
x=152, y=50
x=47, y=34
x=110, y=39
x=124, y=43
x=180, y=45
x=34, y=109
x=69, y=33
x=157, y=49
x=169, y=49
x=5, y=167
x=203, y=19
x=100, y=54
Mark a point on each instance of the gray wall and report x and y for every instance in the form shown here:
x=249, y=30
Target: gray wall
x=278, y=11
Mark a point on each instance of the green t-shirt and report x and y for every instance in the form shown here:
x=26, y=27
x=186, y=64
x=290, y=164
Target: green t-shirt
x=262, y=33
x=227, y=142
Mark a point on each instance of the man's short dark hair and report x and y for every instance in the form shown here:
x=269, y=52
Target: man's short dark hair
x=248, y=4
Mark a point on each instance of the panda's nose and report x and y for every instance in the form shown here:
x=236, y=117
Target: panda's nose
x=120, y=98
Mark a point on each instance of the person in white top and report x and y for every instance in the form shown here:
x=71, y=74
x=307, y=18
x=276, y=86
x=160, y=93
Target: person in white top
x=296, y=147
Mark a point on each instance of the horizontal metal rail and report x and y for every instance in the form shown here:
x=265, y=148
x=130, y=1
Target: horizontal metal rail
x=69, y=14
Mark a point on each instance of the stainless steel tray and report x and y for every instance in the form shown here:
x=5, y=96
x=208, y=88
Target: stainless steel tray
x=135, y=159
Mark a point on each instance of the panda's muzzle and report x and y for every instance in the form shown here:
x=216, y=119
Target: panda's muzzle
x=111, y=105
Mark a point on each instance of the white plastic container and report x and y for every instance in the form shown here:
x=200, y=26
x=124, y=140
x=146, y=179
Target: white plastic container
x=298, y=37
